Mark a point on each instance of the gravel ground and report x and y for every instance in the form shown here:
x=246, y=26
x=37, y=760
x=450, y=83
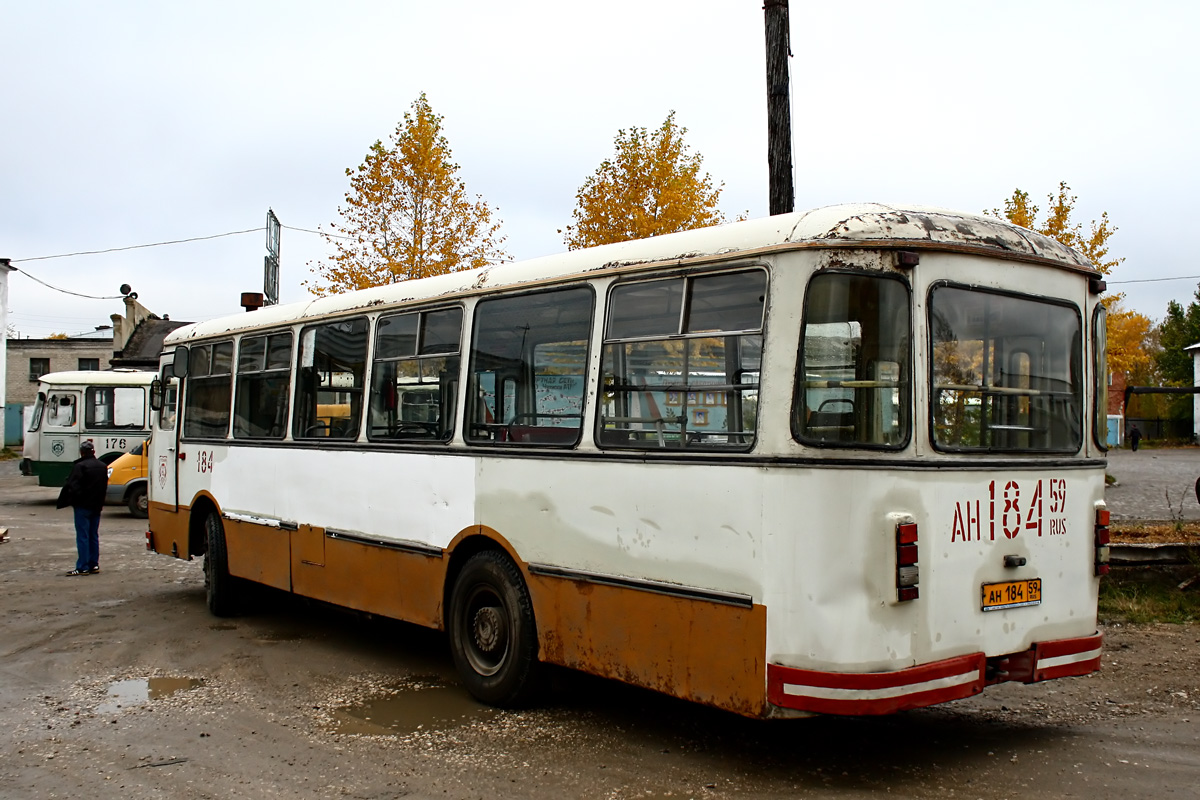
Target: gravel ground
x=1147, y=478
x=299, y=700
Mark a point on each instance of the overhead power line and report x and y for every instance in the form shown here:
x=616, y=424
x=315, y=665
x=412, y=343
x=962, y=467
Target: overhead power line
x=139, y=246
x=1157, y=280
x=68, y=291
x=318, y=233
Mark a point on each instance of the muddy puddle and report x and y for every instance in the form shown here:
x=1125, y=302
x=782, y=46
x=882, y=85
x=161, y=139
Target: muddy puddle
x=139, y=691
x=279, y=636
x=410, y=708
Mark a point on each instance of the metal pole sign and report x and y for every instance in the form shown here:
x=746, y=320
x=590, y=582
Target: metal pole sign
x=271, y=261
x=270, y=281
x=273, y=229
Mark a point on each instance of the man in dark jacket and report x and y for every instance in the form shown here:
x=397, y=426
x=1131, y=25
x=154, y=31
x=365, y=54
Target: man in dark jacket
x=85, y=489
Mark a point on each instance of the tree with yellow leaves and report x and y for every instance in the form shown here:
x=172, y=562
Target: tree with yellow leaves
x=1058, y=225
x=652, y=185
x=407, y=214
x=1131, y=343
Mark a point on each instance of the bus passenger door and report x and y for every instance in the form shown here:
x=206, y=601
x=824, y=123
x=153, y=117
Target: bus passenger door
x=163, y=466
x=60, y=437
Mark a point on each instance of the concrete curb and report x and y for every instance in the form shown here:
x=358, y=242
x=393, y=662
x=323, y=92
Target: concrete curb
x=1130, y=555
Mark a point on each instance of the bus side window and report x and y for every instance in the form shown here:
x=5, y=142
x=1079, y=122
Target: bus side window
x=681, y=362
x=329, y=386
x=414, y=375
x=116, y=407
x=528, y=368
x=209, y=387
x=264, y=373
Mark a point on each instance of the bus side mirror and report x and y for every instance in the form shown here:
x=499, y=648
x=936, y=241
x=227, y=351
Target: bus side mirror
x=179, y=365
x=156, y=394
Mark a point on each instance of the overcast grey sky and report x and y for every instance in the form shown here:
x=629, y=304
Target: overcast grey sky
x=135, y=122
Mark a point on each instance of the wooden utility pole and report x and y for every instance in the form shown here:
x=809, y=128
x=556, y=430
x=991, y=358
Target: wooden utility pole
x=779, y=107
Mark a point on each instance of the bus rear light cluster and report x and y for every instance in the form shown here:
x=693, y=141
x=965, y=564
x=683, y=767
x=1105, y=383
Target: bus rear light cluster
x=908, y=574
x=1102, y=539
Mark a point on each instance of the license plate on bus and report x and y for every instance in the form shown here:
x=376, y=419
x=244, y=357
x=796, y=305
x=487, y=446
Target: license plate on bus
x=1012, y=594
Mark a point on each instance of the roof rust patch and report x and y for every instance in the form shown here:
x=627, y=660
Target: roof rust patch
x=950, y=228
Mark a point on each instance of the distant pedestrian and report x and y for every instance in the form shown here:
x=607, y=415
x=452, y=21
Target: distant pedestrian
x=84, y=490
x=1135, y=437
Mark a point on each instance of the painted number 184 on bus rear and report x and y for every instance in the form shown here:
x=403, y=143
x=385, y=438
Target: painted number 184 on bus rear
x=1043, y=513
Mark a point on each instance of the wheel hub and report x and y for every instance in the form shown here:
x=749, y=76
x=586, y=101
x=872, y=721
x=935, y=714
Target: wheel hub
x=488, y=629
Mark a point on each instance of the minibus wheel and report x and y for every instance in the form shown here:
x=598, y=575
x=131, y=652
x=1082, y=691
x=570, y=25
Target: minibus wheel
x=493, y=637
x=139, y=503
x=221, y=590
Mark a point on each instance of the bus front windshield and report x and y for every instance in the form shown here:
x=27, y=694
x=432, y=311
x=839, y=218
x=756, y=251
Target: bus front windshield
x=1006, y=372
x=39, y=406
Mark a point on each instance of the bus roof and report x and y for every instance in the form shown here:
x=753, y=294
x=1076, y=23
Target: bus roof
x=116, y=377
x=871, y=225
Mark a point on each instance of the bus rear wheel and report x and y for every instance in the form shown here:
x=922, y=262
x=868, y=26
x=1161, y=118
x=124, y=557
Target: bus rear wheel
x=221, y=590
x=493, y=637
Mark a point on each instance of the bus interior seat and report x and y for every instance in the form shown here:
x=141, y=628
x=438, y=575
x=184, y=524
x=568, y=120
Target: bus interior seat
x=540, y=434
x=833, y=419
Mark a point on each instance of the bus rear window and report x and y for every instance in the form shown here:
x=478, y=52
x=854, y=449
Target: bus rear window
x=1006, y=372
x=854, y=385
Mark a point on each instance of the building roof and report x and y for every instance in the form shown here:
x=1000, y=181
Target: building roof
x=145, y=343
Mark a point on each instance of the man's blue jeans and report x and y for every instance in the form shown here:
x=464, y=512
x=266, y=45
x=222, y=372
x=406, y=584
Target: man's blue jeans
x=87, y=538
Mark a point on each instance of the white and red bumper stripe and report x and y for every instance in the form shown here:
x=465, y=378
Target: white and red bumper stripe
x=926, y=684
x=1066, y=657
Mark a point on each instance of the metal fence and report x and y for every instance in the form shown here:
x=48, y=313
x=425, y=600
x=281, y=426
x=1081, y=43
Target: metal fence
x=1158, y=428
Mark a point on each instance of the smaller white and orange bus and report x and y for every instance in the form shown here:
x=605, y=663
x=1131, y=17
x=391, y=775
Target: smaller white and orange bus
x=845, y=461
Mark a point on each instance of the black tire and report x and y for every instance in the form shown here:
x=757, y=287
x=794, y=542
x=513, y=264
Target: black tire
x=139, y=502
x=493, y=636
x=222, y=591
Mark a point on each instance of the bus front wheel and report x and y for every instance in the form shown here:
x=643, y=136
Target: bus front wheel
x=221, y=590
x=493, y=637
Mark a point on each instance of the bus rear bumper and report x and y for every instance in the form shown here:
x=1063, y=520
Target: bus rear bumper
x=870, y=693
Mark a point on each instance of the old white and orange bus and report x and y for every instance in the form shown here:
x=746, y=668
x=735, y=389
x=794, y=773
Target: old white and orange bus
x=846, y=461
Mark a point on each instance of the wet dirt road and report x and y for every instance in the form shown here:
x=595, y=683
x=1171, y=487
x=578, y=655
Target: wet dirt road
x=121, y=685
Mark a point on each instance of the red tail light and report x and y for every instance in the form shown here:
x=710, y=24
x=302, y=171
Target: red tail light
x=1101, y=541
x=908, y=574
